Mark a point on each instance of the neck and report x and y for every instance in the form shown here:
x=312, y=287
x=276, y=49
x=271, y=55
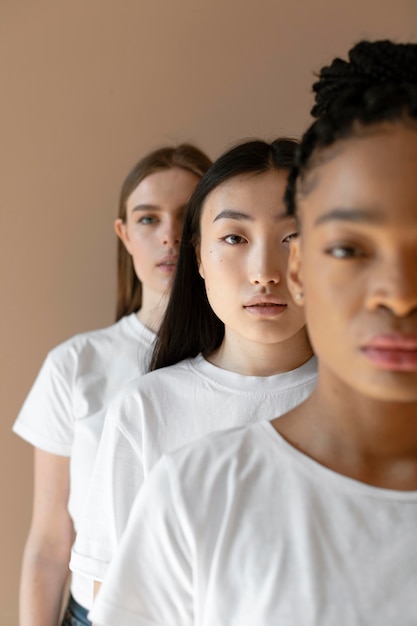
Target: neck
x=370, y=440
x=152, y=310
x=261, y=359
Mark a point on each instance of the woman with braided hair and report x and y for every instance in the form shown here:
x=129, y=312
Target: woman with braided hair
x=311, y=519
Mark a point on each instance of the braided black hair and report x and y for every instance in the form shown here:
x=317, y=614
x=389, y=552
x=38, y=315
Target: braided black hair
x=378, y=83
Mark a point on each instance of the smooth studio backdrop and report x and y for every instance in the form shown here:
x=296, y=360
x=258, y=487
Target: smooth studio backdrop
x=89, y=86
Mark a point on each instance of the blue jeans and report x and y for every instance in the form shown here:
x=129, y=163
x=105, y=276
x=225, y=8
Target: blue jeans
x=75, y=614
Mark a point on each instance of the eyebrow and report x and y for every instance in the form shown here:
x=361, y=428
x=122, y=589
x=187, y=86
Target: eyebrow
x=146, y=207
x=364, y=216
x=230, y=214
x=152, y=207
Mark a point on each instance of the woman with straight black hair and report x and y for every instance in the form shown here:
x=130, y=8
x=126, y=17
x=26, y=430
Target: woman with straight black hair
x=233, y=347
x=310, y=519
x=190, y=325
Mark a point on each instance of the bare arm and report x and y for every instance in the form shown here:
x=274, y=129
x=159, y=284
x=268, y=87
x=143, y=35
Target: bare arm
x=97, y=586
x=48, y=546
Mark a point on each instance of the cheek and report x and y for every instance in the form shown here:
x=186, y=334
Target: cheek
x=140, y=252
x=143, y=255
x=332, y=310
x=211, y=264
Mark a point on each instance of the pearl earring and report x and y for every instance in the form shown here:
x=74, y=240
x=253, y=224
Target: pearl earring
x=299, y=295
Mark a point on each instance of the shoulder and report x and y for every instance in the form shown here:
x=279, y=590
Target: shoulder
x=148, y=390
x=165, y=377
x=121, y=339
x=218, y=470
x=76, y=343
x=225, y=451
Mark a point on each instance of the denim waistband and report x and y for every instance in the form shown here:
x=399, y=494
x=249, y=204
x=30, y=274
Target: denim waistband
x=75, y=614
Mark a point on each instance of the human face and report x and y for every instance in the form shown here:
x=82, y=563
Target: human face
x=243, y=255
x=356, y=263
x=153, y=227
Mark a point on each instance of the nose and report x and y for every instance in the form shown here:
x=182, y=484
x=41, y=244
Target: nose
x=395, y=288
x=171, y=235
x=265, y=266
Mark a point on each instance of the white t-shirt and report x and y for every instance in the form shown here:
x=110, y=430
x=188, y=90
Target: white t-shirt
x=162, y=411
x=65, y=409
x=242, y=529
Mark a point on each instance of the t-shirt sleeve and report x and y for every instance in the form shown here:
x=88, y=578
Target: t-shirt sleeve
x=46, y=418
x=116, y=479
x=149, y=582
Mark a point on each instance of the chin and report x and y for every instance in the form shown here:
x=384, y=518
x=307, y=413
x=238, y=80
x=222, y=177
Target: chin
x=403, y=392
x=271, y=339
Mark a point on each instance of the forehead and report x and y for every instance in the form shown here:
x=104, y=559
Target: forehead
x=175, y=183
x=374, y=171
x=252, y=192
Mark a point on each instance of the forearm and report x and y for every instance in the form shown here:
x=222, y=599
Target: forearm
x=45, y=566
x=97, y=586
x=42, y=587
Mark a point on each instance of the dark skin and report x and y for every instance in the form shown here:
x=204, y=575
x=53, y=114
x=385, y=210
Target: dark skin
x=381, y=452
x=355, y=264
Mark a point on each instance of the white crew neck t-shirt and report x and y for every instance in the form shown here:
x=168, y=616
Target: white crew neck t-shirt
x=65, y=409
x=160, y=412
x=242, y=529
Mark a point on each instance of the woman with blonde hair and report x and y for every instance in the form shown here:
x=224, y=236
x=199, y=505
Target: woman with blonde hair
x=63, y=414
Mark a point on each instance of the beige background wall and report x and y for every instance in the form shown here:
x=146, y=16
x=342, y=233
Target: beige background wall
x=86, y=88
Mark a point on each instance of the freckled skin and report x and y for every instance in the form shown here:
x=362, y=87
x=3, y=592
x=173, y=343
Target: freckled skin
x=241, y=258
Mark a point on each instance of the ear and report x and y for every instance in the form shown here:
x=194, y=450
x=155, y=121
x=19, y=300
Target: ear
x=197, y=250
x=120, y=228
x=294, y=272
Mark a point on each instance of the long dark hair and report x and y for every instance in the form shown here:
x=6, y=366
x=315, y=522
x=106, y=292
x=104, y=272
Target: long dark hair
x=184, y=156
x=377, y=84
x=190, y=325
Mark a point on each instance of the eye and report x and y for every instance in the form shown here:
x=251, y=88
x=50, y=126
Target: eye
x=345, y=252
x=234, y=240
x=288, y=238
x=147, y=219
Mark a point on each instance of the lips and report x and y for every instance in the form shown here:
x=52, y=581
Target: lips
x=393, y=351
x=265, y=306
x=168, y=263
